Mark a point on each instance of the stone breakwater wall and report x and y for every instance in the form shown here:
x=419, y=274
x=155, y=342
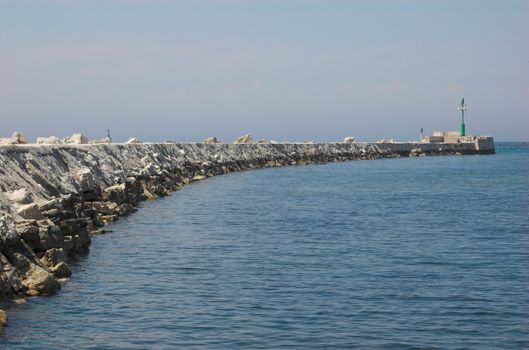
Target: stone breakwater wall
x=54, y=198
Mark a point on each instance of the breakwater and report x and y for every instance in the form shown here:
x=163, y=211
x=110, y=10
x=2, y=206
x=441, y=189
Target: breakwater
x=55, y=197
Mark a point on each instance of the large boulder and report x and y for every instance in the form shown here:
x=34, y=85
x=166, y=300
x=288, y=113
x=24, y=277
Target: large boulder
x=105, y=208
x=15, y=254
x=211, y=140
x=85, y=178
x=55, y=259
x=52, y=140
x=29, y=211
x=40, y=235
x=36, y=279
x=103, y=140
x=80, y=240
x=246, y=139
x=29, y=232
x=10, y=283
x=417, y=152
x=61, y=270
x=76, y=139
x=133, y=140
x=21, y=196
x=17, y=138
x=50, y=235
x=116, y=194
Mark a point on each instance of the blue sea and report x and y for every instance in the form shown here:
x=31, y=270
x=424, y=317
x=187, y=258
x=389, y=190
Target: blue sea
x=411, y=253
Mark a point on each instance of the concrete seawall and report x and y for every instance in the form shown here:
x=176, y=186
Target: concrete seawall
x=54, y=198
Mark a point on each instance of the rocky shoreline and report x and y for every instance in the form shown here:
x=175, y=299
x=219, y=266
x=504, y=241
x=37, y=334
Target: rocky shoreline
x=54, y=198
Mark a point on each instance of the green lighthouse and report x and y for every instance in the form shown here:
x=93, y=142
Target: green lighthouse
x=463, y=108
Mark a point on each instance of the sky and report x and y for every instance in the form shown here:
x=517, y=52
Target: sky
x=293, y=70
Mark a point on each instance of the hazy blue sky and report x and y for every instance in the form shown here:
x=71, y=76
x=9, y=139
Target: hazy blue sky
x=280, y=69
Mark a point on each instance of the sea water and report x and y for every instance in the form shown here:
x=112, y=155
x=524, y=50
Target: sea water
x=412, y=253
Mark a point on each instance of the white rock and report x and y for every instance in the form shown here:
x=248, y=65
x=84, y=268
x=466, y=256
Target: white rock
x=17, y=138
x=116, y=188
x=52, y=140
x=29, y=211
x=349, y=139
x=133, y=140
x=211, y=140
x=85, y=178
x=21, y=196
x=246, y=139
x=76, y=139
x=103, y=140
